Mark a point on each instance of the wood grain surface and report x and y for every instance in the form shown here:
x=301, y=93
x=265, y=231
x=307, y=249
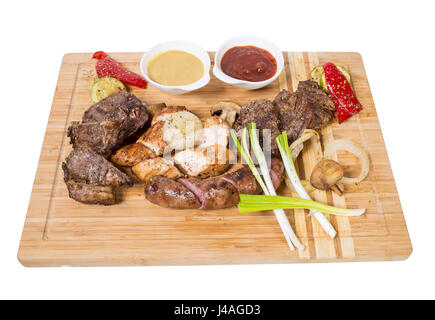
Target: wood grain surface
x=61, y=232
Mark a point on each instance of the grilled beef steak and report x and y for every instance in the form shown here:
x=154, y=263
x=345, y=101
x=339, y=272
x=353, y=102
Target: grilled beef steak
x=307, y=108
x=91, y=178
x=91, y=194
x=295, y=113
x=86, y=166
x=314, y=92
x=108, y=123
x=263, y=113
x=321, y=104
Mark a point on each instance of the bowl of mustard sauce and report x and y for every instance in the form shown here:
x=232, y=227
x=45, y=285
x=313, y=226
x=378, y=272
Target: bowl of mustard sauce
x=176, y=67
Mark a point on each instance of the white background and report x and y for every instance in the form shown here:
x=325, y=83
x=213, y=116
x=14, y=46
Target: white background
x=396, y=40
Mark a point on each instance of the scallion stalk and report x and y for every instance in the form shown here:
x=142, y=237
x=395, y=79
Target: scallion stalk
x=286, y=228
x=284, y=149
x=249, y=203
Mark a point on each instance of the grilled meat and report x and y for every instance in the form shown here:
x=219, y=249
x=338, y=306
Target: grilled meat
x=243, y=180
x=307, y=108
x=120, y=107
x=146, y=169
x=276, y=172
x=169, y=193
x=91, y=194
x=314, y=92
x=153, y=138
x=322, y=105
x=263, y=113
x=204, y=162
x=85, y=166
x=213, y=193
x=108, y=123
x=131, y=155
x=295, y=113
x=102, y=138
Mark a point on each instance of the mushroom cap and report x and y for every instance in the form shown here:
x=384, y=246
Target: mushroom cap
x=325, y=174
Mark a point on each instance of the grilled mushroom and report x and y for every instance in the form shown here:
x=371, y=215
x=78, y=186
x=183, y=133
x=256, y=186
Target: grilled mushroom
x=228, y=111
x=326, y=175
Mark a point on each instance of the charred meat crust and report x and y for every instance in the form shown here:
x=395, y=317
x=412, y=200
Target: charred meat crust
x=265, y=116
x=85, y=166
x=91, y=194
x=89, y=177
x=295, y=113
x=169, y=193
x=314, y=92
x=108, y=123
x=307, y=108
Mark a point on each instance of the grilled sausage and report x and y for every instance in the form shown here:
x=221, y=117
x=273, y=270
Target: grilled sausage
x=169, y=193
x=243, y=180
x=213, y=193
x=276, y=172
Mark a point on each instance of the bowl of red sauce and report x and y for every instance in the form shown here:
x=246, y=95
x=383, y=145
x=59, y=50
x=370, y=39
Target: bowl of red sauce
x=248, y=62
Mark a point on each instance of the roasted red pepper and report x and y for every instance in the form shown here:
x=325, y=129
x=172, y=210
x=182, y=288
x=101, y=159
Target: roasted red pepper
x=346, y=103
x=109, y=67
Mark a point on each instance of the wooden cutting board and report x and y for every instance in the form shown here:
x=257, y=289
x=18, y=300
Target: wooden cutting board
x=59, y=231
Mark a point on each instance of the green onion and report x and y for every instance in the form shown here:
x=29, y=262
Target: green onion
x=244, y=151
x=267, y=187
x=284, y=149
x=249, y=203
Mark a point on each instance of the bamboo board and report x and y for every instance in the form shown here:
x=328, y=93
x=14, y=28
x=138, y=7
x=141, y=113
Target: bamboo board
x=61, y=232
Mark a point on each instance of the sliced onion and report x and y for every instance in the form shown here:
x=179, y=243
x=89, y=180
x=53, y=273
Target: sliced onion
x=305, y=183
x=297, y=145
x=355, y=149
x=296, y=148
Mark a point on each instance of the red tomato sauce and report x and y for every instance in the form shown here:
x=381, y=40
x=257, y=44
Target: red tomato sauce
x=248, y=63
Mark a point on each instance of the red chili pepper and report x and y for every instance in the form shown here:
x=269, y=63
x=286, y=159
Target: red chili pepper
x=99, y=54
x=346, y=103
x=109, y=67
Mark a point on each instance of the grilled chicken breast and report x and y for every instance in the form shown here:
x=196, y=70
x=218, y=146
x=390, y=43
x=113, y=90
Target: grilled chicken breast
x=131, y=155
x=144, y=170
x=203, y=162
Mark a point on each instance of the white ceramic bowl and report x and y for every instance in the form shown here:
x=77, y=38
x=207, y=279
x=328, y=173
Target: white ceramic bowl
x=192, y=48
x=247, y=41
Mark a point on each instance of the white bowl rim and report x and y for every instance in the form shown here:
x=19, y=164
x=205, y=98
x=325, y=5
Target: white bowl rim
x=231, y=80
x=204, y=80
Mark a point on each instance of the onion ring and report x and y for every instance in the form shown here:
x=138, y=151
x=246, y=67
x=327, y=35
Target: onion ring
x=356, y=150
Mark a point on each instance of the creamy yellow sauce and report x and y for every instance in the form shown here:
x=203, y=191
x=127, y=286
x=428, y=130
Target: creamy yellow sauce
x=175, y=68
